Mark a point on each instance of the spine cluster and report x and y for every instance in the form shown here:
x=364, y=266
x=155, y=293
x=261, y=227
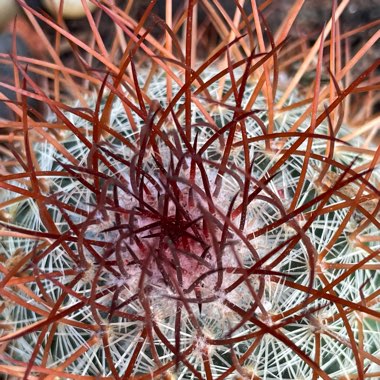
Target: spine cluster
x=180, y=226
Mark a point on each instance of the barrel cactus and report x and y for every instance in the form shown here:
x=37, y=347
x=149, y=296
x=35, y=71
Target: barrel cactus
x=189, y=218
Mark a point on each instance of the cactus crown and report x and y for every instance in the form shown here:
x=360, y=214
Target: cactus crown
x=181, y=226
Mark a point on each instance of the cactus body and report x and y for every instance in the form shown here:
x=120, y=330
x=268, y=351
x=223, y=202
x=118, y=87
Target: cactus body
x=174, y=223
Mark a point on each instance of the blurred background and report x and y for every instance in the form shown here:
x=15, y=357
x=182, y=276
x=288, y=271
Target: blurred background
x=361, y=17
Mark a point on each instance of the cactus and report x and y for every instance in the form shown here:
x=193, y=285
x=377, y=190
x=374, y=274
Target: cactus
x=189, y=218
